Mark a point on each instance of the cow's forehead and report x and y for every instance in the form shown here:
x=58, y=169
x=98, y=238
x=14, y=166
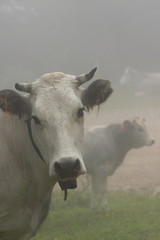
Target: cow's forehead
x=140, y=122
x=55, y=78
x=59, y=91
x=56, y=83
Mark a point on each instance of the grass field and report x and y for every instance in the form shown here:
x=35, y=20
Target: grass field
x=132, y=216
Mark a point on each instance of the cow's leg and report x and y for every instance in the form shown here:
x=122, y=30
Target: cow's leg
x=103, y=196
x=94, y=192
x=99, y=192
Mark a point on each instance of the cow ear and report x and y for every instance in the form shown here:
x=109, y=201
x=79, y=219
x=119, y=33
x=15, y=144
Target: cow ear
x=126, y=125
x=96, y=93
x=13, y=103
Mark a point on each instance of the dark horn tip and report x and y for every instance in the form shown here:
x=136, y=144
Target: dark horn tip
x=17, y=86
x=94, y=70
x=91, y=74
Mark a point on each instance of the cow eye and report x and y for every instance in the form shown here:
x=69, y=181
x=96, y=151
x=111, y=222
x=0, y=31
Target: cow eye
x=140, y=130
x=80, y=112
x=36, y=120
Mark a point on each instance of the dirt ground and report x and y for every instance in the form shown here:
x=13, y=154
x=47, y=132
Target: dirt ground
x=140, y=170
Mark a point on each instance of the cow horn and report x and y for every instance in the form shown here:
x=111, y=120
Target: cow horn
x=85, y=77
x=24, y=87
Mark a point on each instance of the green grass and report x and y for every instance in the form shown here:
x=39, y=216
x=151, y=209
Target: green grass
x=132, y=216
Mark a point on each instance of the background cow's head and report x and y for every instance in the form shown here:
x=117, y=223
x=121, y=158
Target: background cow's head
x=57, y=104
x=137, y=133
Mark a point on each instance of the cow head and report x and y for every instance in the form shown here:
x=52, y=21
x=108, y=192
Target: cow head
x=137, y=133
x=57, y=105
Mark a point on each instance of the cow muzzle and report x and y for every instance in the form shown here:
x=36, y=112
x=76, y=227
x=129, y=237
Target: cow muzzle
x=67, y=171
x=151, y=142
x=67, y=168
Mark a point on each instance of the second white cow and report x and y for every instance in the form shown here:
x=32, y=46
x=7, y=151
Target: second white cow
x=105, y=150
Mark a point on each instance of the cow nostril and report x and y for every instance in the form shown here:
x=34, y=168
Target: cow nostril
x=58, y=168
x=67, y=167
x=77, y=165
x=152, y=141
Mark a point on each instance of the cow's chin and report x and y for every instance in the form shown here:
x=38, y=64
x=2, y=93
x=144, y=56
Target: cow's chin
x=68, y=184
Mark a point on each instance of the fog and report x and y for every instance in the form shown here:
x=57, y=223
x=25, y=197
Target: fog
x=119, y=37
x=74, y=36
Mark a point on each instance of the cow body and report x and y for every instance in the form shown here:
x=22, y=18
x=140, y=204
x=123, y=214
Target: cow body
x=40, y=144
x=105, y=150
x=23, y=205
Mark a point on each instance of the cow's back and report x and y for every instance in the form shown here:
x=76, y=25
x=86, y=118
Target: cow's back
x=101, y=149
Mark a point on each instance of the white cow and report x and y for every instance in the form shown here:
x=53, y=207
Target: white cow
x=41, y=135
x=105, y=150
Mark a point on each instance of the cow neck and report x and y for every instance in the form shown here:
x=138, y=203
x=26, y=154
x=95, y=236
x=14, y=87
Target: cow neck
x=123, y=142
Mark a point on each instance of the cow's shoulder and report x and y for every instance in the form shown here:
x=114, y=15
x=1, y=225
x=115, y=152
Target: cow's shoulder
x=12, y=102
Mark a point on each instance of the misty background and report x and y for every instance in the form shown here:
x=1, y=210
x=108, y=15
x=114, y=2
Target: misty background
x=74, y=36
x=120, y=37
